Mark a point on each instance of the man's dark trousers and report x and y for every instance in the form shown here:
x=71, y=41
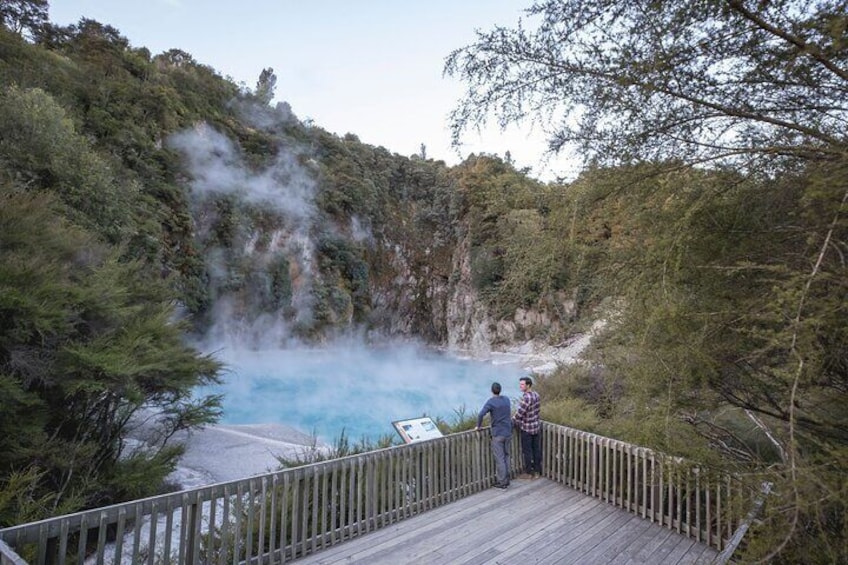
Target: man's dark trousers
x=531, y=449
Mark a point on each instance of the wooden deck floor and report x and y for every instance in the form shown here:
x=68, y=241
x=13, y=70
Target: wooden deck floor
x=531, y=522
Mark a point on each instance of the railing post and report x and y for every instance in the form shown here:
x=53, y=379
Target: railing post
x=736, y=539
x=191, y=529
x=370, y=493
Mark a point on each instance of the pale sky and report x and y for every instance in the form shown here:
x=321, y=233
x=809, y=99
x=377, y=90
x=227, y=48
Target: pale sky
x=368, y=67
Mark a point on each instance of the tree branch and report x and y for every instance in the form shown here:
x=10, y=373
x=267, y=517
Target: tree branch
x=810, y=49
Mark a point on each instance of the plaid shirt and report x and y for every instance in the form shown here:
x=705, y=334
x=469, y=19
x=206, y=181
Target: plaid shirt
x=527, y=416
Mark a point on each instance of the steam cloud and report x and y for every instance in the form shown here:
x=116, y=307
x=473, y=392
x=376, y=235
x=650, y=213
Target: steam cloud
x=284, y=187
x=217, y=167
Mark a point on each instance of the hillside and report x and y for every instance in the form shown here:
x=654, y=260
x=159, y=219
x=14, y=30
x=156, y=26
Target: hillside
x=148, y=203
x=141, y=189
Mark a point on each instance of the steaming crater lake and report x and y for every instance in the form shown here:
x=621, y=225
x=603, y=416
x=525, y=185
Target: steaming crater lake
x=358, y=390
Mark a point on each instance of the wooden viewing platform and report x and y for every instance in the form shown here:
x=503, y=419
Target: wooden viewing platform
x=535, y=521
x=600, y=501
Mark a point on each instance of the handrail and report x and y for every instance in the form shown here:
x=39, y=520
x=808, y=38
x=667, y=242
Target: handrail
x=8, y=556
x=697, y=502
x=286, y=514
x=294, y=512
x=734, y=542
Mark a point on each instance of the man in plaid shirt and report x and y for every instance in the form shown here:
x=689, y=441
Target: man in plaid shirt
x=529, y=425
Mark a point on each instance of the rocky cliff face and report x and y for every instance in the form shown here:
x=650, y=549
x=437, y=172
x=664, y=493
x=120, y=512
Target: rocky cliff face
x=412, y=292
x=467, y=320
x=342, y=239
x=470, y=325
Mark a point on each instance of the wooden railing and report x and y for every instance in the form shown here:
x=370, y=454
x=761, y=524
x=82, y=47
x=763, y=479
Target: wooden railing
x=287, y=514
x=700, y=504
x=274, y=517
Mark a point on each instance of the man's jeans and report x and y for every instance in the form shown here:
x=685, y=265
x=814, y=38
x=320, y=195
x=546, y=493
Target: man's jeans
x=500, y=447
x=531, y=448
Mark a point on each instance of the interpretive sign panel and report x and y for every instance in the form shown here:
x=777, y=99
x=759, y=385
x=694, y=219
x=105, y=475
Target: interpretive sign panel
x=417, y=429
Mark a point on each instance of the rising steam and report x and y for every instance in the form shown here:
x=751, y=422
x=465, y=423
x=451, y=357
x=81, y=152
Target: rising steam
x=285, y=189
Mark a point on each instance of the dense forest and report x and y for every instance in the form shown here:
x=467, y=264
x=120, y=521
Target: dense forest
x=149, y=203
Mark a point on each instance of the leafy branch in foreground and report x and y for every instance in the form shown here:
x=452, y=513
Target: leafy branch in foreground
x=87, y=341
x=658, y=80
x=726, y=225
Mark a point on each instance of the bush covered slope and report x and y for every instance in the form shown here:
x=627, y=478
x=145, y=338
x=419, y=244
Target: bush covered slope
x=146, y=199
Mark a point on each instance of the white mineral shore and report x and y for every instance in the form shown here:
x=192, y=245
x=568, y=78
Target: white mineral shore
x=221, y=453
x=540, y=358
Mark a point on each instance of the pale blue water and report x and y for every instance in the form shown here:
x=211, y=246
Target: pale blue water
x=356, y=389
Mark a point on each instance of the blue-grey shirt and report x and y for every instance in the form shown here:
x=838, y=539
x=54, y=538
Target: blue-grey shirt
x=499, y=408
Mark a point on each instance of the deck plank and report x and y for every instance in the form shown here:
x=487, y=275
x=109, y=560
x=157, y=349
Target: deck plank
x=455, y=538
x=662, y=553
x=634, y=532
x=528, y=510
x=535, y=533
x=536, y=521
x=640, y=551
x=579, y=549
x=543, y=535
x=542, y=530
x=440, y=520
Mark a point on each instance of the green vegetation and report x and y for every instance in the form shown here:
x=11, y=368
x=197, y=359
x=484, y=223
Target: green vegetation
x=88, y=340
x=711, y=222
x=708, y=229
x=104, y=239
x=516, y=250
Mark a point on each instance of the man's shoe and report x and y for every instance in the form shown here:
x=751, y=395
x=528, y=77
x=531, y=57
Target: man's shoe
x=535, y=476
x=500, y=486
x=524, y=476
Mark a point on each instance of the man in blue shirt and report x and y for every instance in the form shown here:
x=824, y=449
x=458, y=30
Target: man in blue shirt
x=499, y=409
